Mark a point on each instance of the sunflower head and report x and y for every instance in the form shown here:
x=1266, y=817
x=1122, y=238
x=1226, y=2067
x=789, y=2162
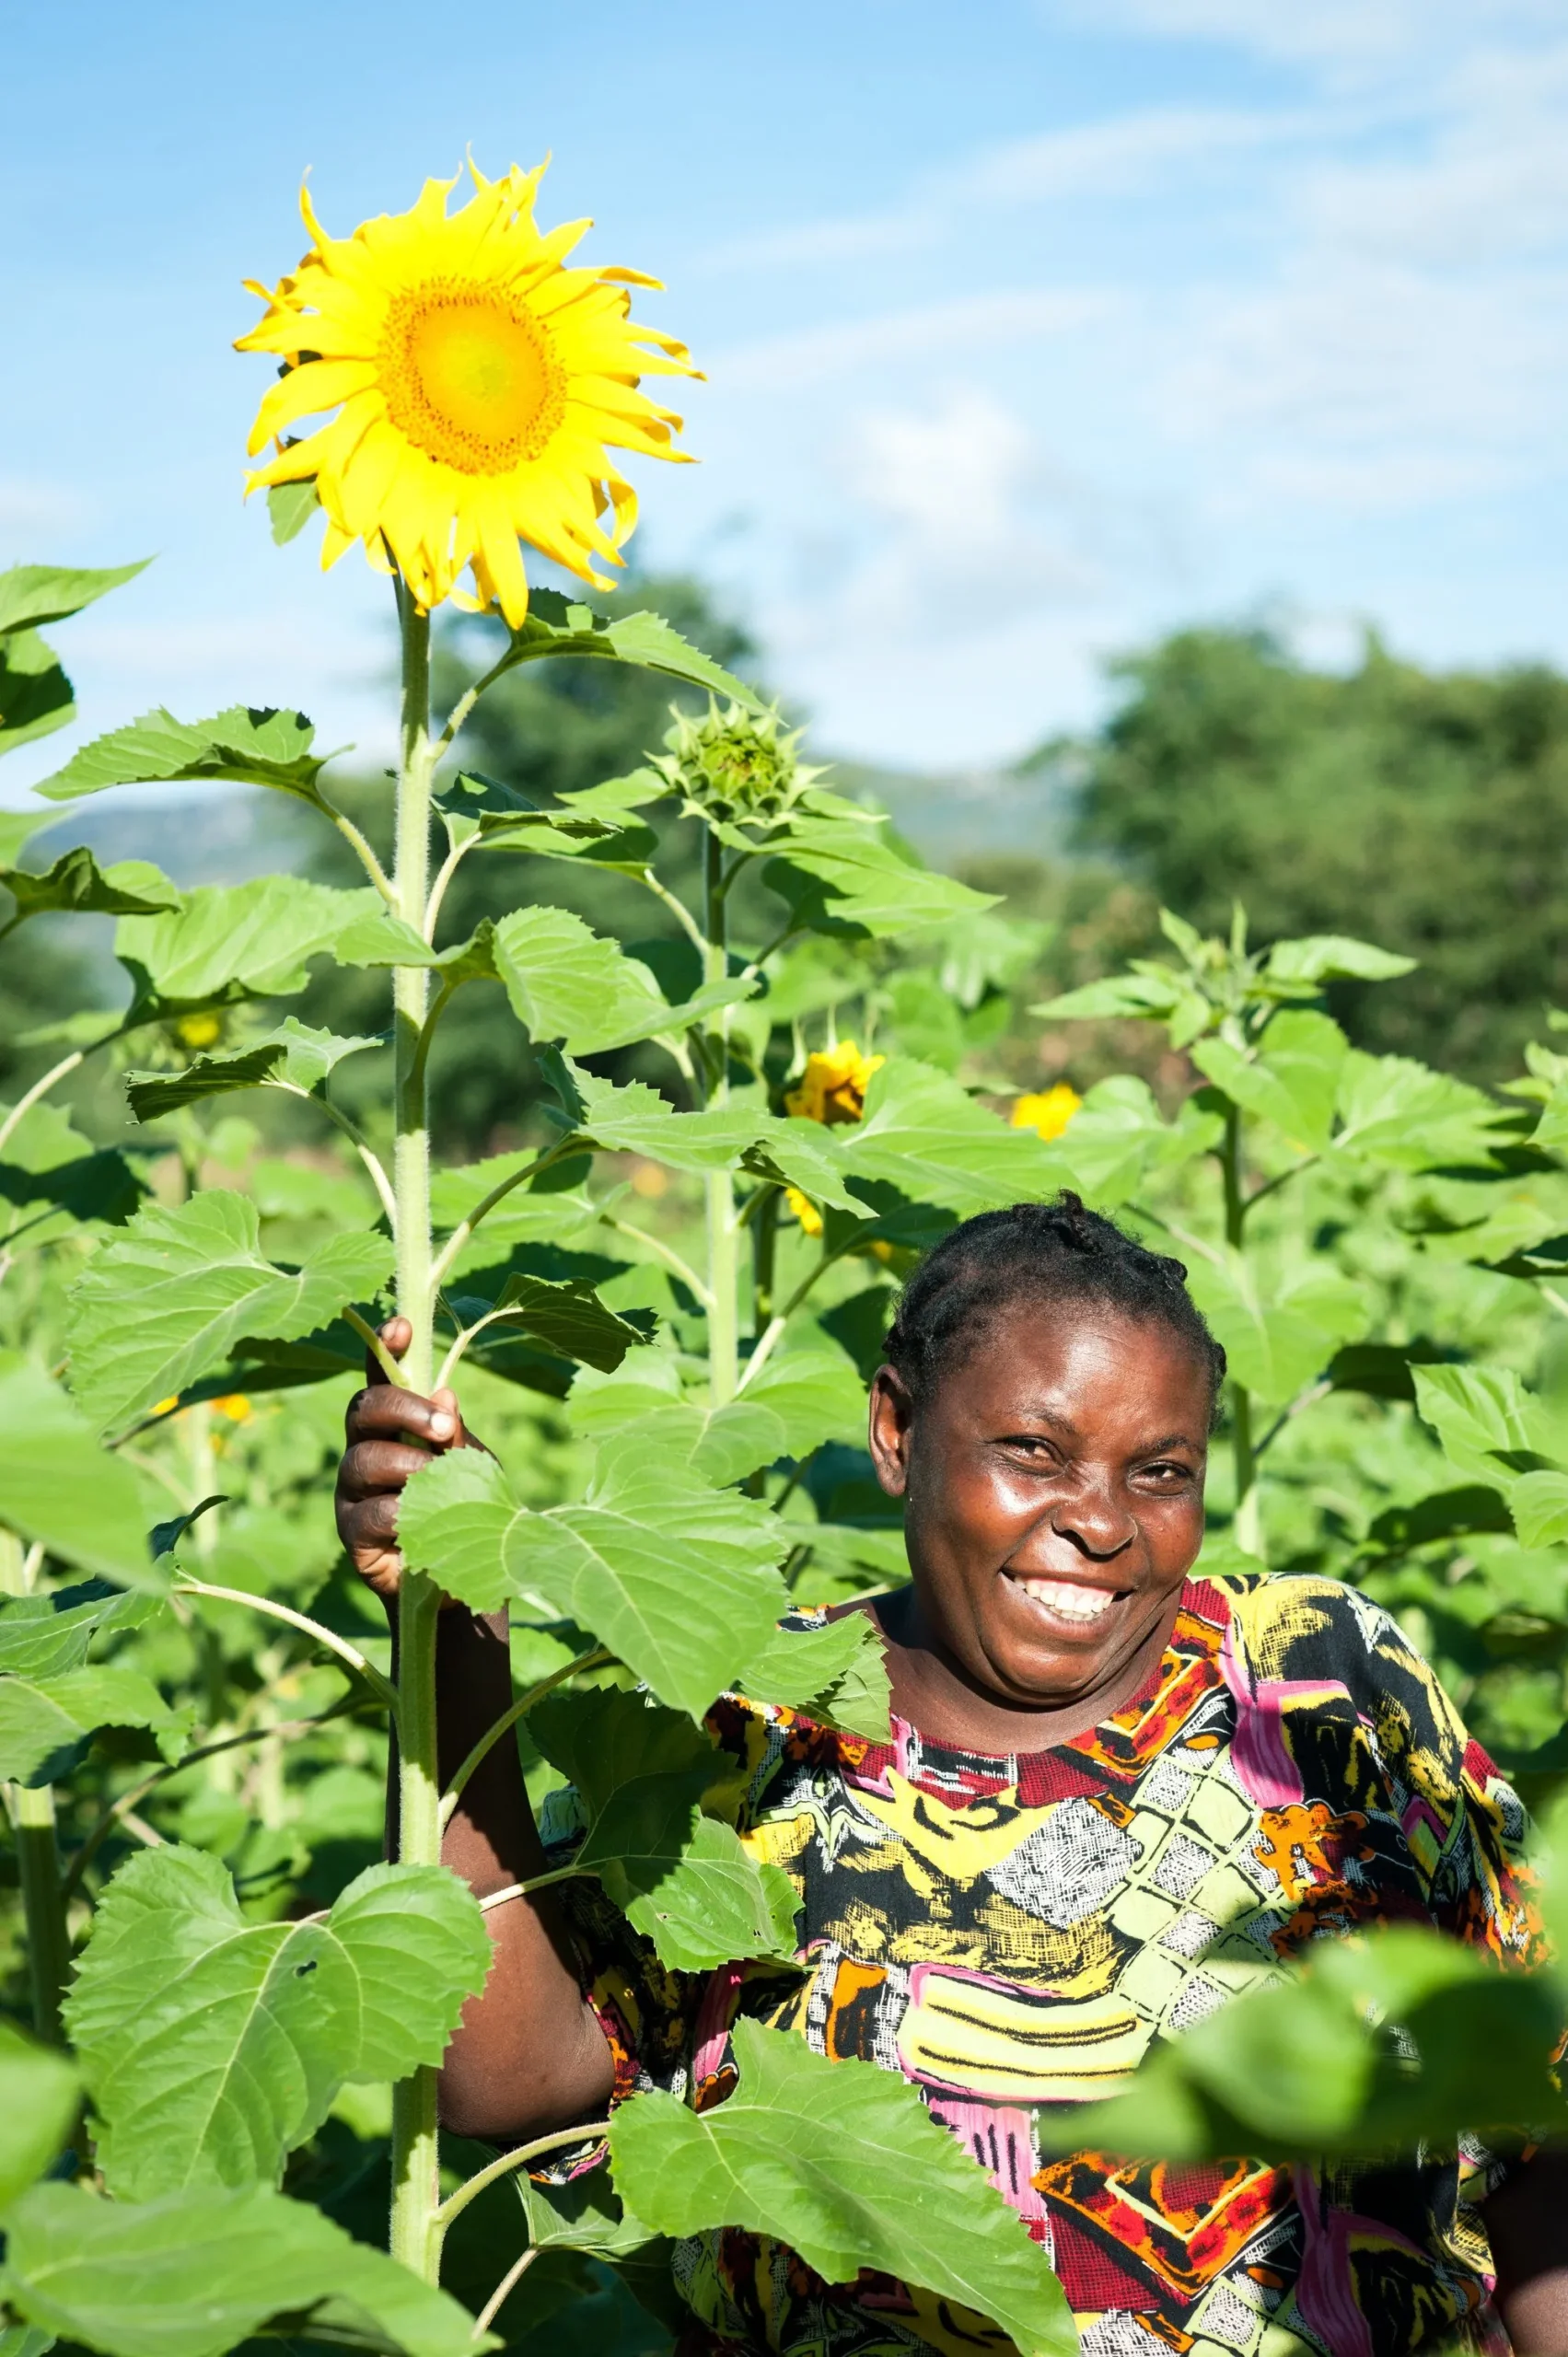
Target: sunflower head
x=735, y=766
x=1046, y=1111
x=472, y=388
x=832, y=1087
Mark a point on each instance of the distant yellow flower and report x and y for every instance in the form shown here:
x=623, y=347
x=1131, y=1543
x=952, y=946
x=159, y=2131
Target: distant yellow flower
x=804, y=1210
x=234, y=1406
x=479, y=387
x=1046, y=1111
x=199, y=1031
x=832, y=1087
x=162, y=1407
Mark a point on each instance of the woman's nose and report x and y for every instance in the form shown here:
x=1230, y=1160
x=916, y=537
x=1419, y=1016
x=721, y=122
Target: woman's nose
x=1095, y=1523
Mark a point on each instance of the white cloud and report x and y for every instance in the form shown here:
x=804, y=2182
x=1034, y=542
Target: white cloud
x=1126, y=155
x=789, y=361
x=959, y=549
x=1407, y=339
x=1123, y=155
x=1348, y=38
x=1487, y=181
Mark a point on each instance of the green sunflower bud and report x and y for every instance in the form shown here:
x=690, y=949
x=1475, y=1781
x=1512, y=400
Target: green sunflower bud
x=734, y=766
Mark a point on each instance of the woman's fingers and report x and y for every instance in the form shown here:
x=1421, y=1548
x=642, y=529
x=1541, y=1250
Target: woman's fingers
x=371, y=1466
x=396, y=1335
x=382, y=1411
x=392, y=1433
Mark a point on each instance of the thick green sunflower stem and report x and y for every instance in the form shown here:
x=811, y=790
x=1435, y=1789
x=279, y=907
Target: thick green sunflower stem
x=1248, y=1526
x=724, y=1259
x=31, y=1811
x=415, y=2179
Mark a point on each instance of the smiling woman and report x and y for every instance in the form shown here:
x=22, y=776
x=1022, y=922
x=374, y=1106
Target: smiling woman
x=1118, y=1794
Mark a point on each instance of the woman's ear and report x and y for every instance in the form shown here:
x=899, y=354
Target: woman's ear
x=891, y=1424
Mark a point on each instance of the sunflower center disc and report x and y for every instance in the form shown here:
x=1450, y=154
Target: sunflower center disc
x=468, y=380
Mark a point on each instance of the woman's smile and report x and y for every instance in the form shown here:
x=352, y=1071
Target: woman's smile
x=1068, y=1604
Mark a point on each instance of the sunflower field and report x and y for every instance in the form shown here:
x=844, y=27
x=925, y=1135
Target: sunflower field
x=753, y=1109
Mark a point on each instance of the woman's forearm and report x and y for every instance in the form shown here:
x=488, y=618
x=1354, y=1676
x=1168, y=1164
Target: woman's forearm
x=529, y=2054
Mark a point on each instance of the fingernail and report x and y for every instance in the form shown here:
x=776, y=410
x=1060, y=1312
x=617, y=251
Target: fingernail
x=441, y=1425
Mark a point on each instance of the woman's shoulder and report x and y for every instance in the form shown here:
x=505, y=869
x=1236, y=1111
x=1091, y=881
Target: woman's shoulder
x=1295, y=1626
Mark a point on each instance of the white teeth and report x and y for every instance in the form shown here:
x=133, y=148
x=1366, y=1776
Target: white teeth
x=1069, y=1599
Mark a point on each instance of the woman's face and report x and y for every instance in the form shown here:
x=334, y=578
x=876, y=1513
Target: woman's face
x=1053, y=1482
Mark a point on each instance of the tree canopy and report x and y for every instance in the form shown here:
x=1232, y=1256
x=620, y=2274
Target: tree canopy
x=1424, y=809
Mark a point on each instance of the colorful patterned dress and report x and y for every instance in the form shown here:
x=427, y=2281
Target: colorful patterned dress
x=1012, y=1932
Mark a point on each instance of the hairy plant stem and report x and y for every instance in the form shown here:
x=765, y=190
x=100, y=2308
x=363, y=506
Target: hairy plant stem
x=415, y=2180
x=1248, y=1523
x=25, y=1103
x=31, y=1809
x=723, y=1328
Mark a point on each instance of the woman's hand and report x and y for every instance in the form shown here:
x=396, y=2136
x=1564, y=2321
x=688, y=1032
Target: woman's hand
x=390, y=1434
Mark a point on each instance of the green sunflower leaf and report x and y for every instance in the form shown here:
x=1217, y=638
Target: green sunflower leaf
x=36, y=696
x=196, y=2274
x=567, y=1317
x=837, y=1674
x=684, y=1880
x=238, y=941
x=1293, y=1081
x=76, y=882
x=41, y=1635
x=255, y=745
x=678, y=1579
x=45, y=1721
x=170, y=1298
x=55, y=1185
x=837, y=873
x=212, y=2047
x=290, y=506
x=60, y=1490
x=800, y=2152
x=1279, y=1338
x=34, y=595
x=1407, y=1116
x=557, y=625
x=38, y=2095
x=565, y=982
x=921, y=1133
x=294, y=1054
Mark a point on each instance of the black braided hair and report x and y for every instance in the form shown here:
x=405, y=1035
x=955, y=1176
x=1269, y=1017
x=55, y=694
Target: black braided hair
x=1045, y=1252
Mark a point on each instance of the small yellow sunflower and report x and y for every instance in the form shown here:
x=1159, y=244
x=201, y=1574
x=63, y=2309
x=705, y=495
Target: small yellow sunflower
x=478, y=386
x=832, y=1087
x=804, y=1211
x=1046, y=1111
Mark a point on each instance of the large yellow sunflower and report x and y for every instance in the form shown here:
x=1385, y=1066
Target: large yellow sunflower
x=478, y=386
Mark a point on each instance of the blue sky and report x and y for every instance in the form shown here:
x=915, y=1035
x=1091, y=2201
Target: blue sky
x=1030, y=329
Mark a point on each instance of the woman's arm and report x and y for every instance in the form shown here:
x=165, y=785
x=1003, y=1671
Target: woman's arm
x=529, y=2054
x=1527, y=2221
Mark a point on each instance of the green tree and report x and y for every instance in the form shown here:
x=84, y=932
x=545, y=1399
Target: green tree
x=1428, y=808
